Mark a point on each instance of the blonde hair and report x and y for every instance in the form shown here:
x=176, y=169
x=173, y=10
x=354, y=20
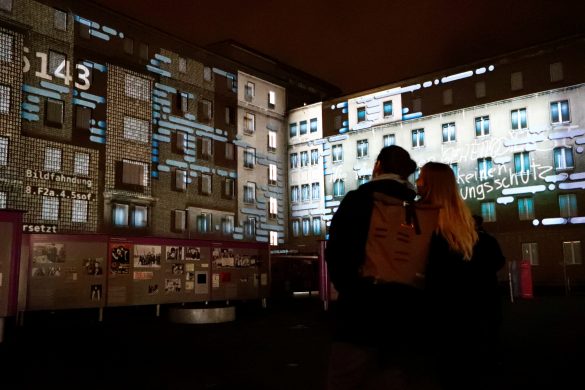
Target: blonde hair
x=438, y=186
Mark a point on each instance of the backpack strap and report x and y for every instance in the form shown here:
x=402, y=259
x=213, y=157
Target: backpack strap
x=410, y=216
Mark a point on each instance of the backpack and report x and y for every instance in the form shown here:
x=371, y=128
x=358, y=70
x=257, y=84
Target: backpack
x=398, y=240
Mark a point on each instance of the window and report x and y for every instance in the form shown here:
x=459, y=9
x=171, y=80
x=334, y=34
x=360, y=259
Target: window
x=559, y=112
x=249, y=123
x=6, y=47
x=271, y=141
x=480, y=89
x=4, y=99
x=418, y=138
x=337, y=153
x=136, y=129
x=296, y=228
x=272, y=174
x=563, y=158
x=530, y=252
x=60, y=20
x=228, y=188
x=120, y=214
x=516, y=81
x=361, y=114
x=128, y=45
x=180, y=180
x=203, y=222
x=204, y=110
x=519, y=119
x=50, y=210
x=317, y=226
x=522, y=162
x=79, y=211
x=314, y=156
x=303, y=127
x=249, y=90
x=294, y=160
x=485, y=168
x=455, y=169
x=305, y=193
x=250, y=227
x=389, y=139
x=56, y=60
x=180, y=144
x=271, y=99
x=52, y=159
x=137, y=87
x=339, y=187
x=82, y=118
x=362, y=148
x=448, y=97
x=294, y=194
x=387, y=108
x=4, y=151
x=182, y=65
x=229, y=151
x=449, y=132
x=316, y=190
x=273, y=209
x=2, y=200
x=273, y=238
x=416, y=105
x=179, y=220
x=206, y=148
x=293, y=129
x=206, y=184
x=556, y=72
x=143, y=51
x=304, y=159
x=249, y=157
x=81, y=164
x=135, y=173
x=250, y=192
x=6, y=5
x=227, y=224
x=207, y=73
x=363, y=179
x=306, y=227
x=54, y=113
x=482, y=126
x=313, y=125
x=140, y=217
x=572, y=252
x=525, y=209
x=181, y=102
x=229, y=115
x=488, y=211
x=568, y=205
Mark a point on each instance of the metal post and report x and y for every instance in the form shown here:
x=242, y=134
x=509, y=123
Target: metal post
x=510, y=284
x=101, y=314
x=158, y=310
x=2, y=319
x=264, y=303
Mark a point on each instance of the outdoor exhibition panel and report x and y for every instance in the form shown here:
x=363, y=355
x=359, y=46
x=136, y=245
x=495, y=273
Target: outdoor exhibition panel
x=10, y=236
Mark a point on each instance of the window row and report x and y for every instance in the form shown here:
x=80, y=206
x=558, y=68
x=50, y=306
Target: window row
x=387, y=111
x=53, y=159
x=572, y=254
x=305, y=192
x=205, y=184
x=306, y=226
x=304, y=159
x=250, y=93
x=204, y=222
x=50, y=209
x=567, y=208
x=301, y=127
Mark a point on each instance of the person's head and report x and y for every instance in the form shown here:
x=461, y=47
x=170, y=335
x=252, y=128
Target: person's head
x=394, y=159
x=437, y=185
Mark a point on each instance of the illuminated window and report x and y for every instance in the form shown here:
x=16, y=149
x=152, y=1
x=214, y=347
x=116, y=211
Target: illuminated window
x=339, y=187
x=250, y=227
x=568, y=205
x=182, y=65
x=180, y=102
x=2, y=200
x=6, y=5
x=271, y=99
x=120, y=214
x=294, y=160
x=522, y=162
x=316, y=190
x=250, y=192
x=418, y=138
x=3, y=151
x=559, y=112
x=180, y=180
x=179, y=220
x=79, y=210
x=304, y=159
x=273, y=238
x=516, y=81
x=6, y=47
x=526, y=209
x=519, y=119
x=180, y=142
x=207, y=73
x=455, y=169
x=387, y=108
x=60, y=20
x=317, y=226
x=488, y=211
x=362, y=148
x=563, y=158
x=249, y=123
x=449, y=132
x=572, y=252
x=361, y=114
x=294, y=194
x=271, y=141
x=303, y=127
x=313, y=125
x=485, y=168
x=249, y=157
x=206, y=151
x=204, y=110
x=556, y=72
x=229, y=151
x=135, y=173
x=337, y=152
x=56, y=60
x=137, y=87
x=136, y=129
x=530, y=252
x=81, y=164
x=482, y=126
x=228, y=188
x=273, y=209
x=50, y=209
x=296, y=228
x=206, y=184
x=293, y=129
x=272, y=174
x=204, y=223
x=52, y=159
x=305, y=193
x=314, y=156
x=389, y=139
x=306, y=227
x=227, y=224
x=363, y=179
x=54, y=113
x=140, y=217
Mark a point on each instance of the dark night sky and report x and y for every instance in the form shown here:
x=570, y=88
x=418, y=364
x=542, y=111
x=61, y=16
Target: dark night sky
x=371, y=42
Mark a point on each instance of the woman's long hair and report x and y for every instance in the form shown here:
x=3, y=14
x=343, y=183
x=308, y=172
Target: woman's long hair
x=437, y=185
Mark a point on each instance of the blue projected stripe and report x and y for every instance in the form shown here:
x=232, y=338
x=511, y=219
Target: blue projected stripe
x=158, y=93
x=100, y=35
x=101, y=124
x=33, y=99
x=84, y=103
x=30, y=107
x=41, y=92
x=165, y=87
x=95, y=130
x=95, y=98
x=29, y=117
x=162, y=58
x=97, y=139
x=55, y=87
x=109, y=30
x=82, y=20
x=158, y=71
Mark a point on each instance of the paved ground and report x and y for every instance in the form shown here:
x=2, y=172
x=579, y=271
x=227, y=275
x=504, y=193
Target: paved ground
x=282, y=347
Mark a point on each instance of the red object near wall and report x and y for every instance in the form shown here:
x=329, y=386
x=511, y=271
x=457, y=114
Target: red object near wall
x=526, y=279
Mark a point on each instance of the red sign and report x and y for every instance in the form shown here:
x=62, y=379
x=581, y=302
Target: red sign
x=526, y=279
